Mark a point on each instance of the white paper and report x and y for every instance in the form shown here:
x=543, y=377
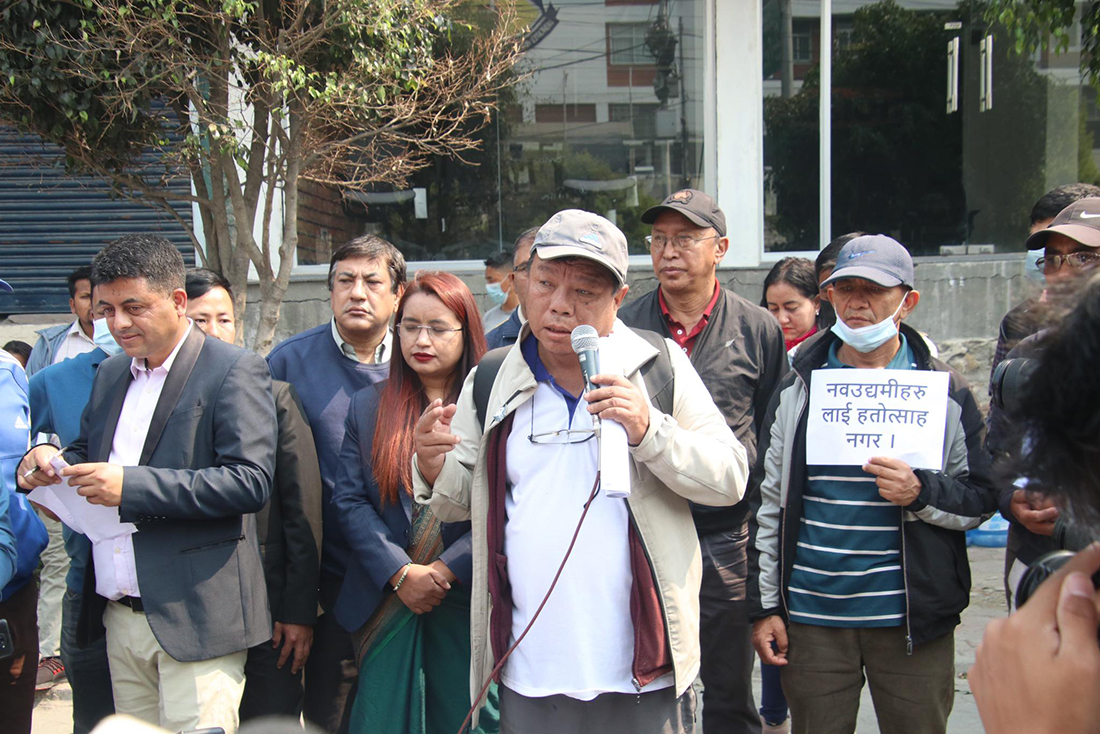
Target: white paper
x=614, y=446
x=98, y=522
x=858, y=414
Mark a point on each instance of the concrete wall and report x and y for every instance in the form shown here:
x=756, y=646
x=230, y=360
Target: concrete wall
x=961, y=298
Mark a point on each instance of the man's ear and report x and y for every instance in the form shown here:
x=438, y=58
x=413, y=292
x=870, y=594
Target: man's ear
x=620, y=296
x=912, y=298
x=179, y=300
x=721, y=249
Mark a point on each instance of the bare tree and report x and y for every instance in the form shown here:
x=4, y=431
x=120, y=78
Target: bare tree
x=251, y=97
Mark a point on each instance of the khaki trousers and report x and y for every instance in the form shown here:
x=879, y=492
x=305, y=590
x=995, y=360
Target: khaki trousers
x=825, y=673
x=150, y=685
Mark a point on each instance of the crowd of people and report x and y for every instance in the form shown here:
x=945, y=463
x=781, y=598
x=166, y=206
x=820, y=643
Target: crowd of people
x=412, y=516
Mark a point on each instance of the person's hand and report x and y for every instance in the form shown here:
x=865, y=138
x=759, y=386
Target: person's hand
x=1034, y=512
x=296, y=638
x=100, y=482
x=433, y=439
x=617, y=399
x=34, y=470
x=766, y=631
x=1039, y=670
x=423, y=588
x=895, y=479
x=444, y=570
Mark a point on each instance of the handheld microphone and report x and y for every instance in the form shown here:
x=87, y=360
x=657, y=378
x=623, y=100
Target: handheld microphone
x=586, y=344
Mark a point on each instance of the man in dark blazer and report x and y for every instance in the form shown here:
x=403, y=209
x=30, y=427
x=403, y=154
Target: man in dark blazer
x=179, y=436
x=289, y=526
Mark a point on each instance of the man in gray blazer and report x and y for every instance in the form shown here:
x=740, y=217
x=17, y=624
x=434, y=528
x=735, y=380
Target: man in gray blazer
x=179, y=436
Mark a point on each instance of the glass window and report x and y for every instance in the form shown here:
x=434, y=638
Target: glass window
x=946, y=150
x=626, y=43
x=609, y=118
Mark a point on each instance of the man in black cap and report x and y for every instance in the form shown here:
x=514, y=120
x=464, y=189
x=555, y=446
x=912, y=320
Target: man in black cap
x=737, y=348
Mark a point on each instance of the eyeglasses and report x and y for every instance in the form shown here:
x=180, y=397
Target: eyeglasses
x=435, y=333
x=1076, y=260
x=561, y=437
x=683, y=242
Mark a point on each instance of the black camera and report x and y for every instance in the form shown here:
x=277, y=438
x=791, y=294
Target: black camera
x=1070, y=537
x=1007, y=383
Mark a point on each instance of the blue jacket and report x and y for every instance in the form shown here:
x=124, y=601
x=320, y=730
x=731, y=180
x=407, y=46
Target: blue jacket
x=46, y=347
x=506, y=334
x=377, y=535
x=325, y=379
x=22, y=536
x=58, y=395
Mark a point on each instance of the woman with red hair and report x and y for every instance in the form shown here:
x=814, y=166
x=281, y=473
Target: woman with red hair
x=405, y=597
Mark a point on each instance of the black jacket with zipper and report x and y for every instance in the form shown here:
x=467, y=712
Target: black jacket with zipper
x=952, y=500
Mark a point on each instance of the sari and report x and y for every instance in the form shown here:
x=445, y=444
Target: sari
x=414, y=669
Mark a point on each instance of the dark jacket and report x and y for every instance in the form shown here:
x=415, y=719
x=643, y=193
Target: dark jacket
x=933, y=539
x=204, y=470
x=505, y=335
x=741, y=357
x=289, y=526
x=378, y=535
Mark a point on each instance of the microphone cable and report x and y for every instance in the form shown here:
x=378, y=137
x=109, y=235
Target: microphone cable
x=504, y=657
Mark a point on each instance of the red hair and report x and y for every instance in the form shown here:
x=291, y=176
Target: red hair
x=403, y=399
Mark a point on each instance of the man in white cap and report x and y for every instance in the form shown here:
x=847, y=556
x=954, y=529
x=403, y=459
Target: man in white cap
x=616, y=647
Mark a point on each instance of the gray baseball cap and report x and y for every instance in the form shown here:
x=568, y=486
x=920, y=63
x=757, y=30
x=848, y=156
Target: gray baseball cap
x=699, y=208
x=874, y=257
x=577, y=233
x=1080, y=221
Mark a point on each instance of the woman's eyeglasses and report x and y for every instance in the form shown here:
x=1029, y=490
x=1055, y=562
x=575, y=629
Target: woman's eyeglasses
x=412, y=330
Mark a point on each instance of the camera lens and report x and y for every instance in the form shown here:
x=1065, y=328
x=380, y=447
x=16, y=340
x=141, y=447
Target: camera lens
x=1040, y=570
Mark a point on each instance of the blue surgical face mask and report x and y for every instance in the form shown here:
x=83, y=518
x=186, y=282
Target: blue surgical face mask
x=868, y=338
x=103, y=339
x=496, y=293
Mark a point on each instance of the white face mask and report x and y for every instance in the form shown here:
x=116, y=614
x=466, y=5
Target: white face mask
x=103, y=339
x=868, y=338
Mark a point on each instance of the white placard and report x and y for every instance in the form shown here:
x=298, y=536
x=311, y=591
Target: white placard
x=858, y=414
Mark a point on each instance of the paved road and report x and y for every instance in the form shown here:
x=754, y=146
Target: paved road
x=53, y=710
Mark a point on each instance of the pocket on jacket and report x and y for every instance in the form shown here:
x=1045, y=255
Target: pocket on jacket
x=215, y=601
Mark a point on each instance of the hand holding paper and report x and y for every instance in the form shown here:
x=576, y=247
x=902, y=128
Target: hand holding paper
x=35, y=470
x=100, y=482
x=895, y=480
x=617, y=399
x=98, y=522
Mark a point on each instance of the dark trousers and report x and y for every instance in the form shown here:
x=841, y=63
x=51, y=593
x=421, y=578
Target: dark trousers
x=331, y=675
x=19, y=672
x=269, y=691
x=659, y=712
x=824, y=675
x=725, y=636
x=87, y=669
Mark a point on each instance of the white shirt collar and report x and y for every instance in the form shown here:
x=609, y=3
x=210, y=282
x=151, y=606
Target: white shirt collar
x=137, y=364
x=75, y=332
x=381, y=352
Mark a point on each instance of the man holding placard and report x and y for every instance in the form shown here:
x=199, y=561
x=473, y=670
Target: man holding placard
x=870, y=470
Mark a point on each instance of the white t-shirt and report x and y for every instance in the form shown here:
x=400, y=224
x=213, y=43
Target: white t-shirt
x=582, y=644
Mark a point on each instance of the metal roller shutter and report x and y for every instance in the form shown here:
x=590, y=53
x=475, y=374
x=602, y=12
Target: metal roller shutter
x=52, y=222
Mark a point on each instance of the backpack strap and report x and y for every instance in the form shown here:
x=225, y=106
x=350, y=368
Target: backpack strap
x=657, y=372
x=484, y=378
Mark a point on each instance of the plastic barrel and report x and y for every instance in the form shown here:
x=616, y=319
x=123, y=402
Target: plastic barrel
x=993, y=533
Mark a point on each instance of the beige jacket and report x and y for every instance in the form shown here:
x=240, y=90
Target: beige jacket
x=690, y=455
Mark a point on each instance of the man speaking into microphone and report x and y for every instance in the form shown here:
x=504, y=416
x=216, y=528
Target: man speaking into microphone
x=616, y=647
